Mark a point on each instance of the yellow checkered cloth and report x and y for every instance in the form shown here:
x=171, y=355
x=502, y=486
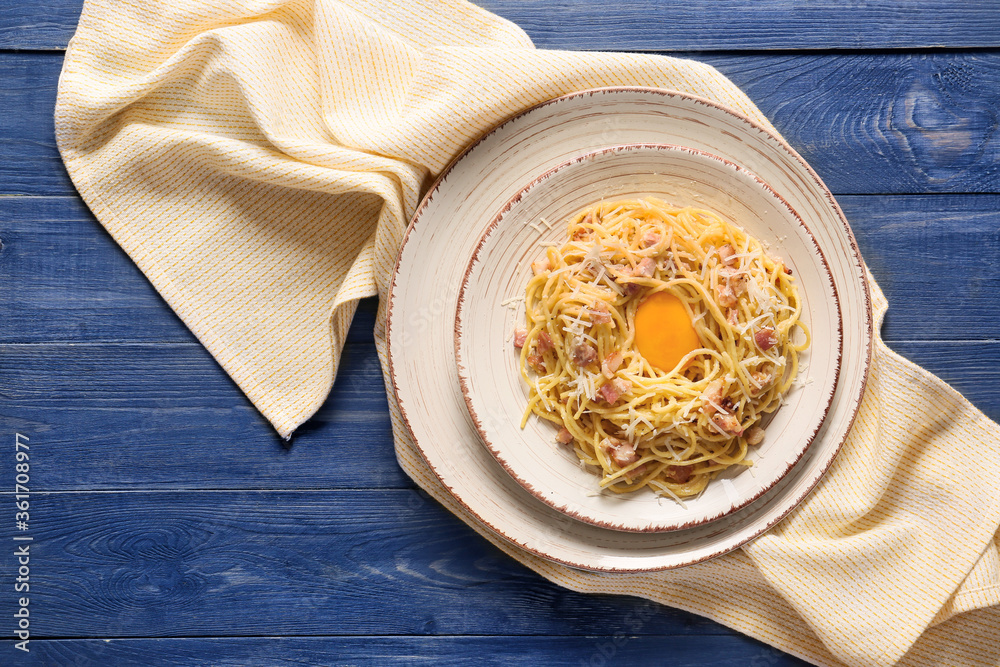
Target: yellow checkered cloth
x=259, y=160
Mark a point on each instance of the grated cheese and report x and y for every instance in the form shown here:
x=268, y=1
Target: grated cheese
x=754, y=322
x=717, y=428
x=704, y=265
x=600, y=274
x=730, y=489
x=718, y=408
x=545, y=399
x=534, y=225
x=751, y=255
x=648, y=424
x=514, y=301
x=673, y=496
x=613, y=285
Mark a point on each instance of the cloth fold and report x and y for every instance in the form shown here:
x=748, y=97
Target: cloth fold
x=259, y=162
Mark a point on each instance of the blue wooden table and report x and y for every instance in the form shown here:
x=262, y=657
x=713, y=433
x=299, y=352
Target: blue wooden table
x=167, y=517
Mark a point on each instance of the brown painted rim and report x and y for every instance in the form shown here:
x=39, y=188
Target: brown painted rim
x=781, y=143
x=462, y=376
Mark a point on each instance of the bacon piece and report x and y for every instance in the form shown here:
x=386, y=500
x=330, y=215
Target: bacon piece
x=618, y=271
x=738, y=284
x=564, y=437
x=537, y=363
x=520, y=335
x=765, y=338
x=727, y=254
x=645, y=268
x=621, y=452
x=599, y=313
x=622, y=276
x=638, y=470
x=786, y=269
x=679, y=474
x=649, y=239
x=712, y=394
x=611, y=364
x=612, y=391
x=540, y=266
x=544, y=343
x=582, y=353
x=755, y=436
x=764, y=379
x=725, y=295
x=733, y=316
x=728, y=423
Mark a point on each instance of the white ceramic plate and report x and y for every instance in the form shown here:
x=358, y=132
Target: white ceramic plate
x=429, y=270
x=490, y=307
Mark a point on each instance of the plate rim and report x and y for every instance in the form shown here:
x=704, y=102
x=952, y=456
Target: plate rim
x=781, y=143
x=490, y=228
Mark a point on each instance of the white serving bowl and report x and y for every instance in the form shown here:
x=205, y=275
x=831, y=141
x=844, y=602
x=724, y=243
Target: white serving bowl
x=500, y=267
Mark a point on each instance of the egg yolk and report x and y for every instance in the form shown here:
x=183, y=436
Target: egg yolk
x=663, y=331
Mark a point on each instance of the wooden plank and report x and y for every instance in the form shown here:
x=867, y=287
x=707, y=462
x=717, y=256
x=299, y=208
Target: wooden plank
x=359, y=562
x=935, y=257
x=286, y=563
x=67, y=281
x=72, y=280
x=623, y=649
x=869, y=123
x=706, y=25
x=899, y=123
x=649, y=25
x=166, y=417
x=29, y=159
x=26, y=26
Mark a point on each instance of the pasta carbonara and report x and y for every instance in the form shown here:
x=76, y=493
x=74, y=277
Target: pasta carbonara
x=656, y=339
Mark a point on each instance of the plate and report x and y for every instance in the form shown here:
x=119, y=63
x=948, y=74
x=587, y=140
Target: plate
x=491, y=306
x=424, y=295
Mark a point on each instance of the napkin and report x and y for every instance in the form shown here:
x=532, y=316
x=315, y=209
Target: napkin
x=259, y=161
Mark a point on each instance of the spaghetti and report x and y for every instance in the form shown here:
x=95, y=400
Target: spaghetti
x=635, y=420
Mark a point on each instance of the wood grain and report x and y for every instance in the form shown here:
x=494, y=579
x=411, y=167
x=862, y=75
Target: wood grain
x=285, y=562
x=868, y=124
x=116, y=394
x=67, y=281
x=620, y=649
x=936, y=258
x=29, y=160
x=882, y=124
x=647, y=25
x=704, y=25
x=166, y=417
